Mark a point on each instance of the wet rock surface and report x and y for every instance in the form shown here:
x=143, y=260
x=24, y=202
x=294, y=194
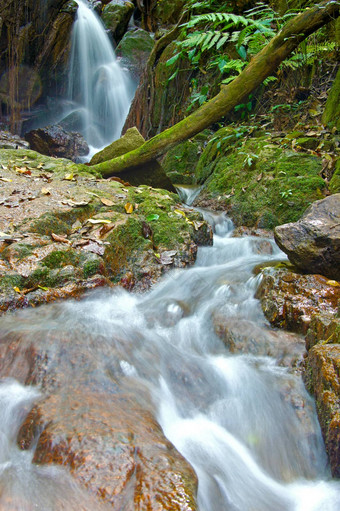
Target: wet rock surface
x=310, y=304
x=322, y=379
x=290, y=300
x=63, y=231
x=56, y=141
x=242, y=336
x=313, y=243
x=88, y=421
x=10, y=141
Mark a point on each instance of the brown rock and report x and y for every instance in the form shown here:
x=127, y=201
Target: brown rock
x=55, y=141
x=313, y=243
x=289, y=299
x=89, y=422
x=322, y=379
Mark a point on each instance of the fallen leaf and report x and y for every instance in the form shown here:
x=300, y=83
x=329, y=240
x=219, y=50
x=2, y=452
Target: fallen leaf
x=23, y=170
x=146, y=230
x=167, y=256
x=69, y=177
x=313, y=133
x=40, y=166
x=6, y=180
x=94, y=247
x=333, y=283
x=94, y=194
x=61, y=239
x=17, y=290
x=98, y=221
x=128, y=208
x=46, y=191
x=197, y=225
x=74, y=204
x=152, y=217
x=44, y=288
x=179, y=212
x=107, y=202
x=259, y=177
x=105, y=229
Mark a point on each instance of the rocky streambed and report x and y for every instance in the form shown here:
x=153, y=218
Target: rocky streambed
x=108, y=368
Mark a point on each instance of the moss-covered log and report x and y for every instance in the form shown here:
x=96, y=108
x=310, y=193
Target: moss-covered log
x=261, y=66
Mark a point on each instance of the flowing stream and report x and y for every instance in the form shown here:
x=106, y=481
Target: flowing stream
x=243, y=420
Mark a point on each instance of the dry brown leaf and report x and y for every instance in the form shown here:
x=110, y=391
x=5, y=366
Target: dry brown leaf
x=61, y=239
x=107, y=202
x=105, y=229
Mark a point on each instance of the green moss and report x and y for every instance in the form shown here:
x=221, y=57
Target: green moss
x=61, y=258
x=334, y=184
x=167, y=228
x=126, y=244
x=264, y=184
x=181, y=161
x=10, y=281
x=331, y=115
x=48, y=224
x=92, y=267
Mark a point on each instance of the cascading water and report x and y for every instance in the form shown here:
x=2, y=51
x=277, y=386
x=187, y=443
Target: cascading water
x=100, y=90
x=244, y=422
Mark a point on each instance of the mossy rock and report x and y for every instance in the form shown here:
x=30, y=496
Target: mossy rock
x=331, y=115
x=334, y=184
x=180, y=162
x=131, y=140
x=169, y=11
x=135, y=48
x=116, y=16
x=263, y=184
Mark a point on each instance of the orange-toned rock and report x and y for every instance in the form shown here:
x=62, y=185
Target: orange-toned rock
x=89, y=421
x=323, y=379
x=290, y=300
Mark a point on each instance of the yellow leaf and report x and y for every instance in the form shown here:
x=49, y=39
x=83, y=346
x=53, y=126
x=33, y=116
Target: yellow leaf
x=334, y=283
x=17, y=290
x=46, y=191
x=179, y=212
x=5, y=179
x=69, y=176
x=128, y=207
x=98, y=221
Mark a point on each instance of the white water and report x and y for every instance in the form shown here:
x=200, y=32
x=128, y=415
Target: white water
x=244, y=422
x=100, y=90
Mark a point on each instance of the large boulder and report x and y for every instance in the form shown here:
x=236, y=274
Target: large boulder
x=290, y=300
x=134, y=49
x=116, y=16
x=313, y=243
x=88, y=420
x=55, y=141
x=62, y=231
x=151, y=173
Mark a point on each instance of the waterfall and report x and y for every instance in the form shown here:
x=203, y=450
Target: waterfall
x=99, y=90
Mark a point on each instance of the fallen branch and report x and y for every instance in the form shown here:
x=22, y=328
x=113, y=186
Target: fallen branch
x=259, y=68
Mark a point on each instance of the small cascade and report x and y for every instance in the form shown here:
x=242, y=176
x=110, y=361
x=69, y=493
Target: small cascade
x=100, y=90
x=241, y=417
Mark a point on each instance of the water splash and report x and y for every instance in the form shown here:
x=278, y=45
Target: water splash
x=100, y=90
